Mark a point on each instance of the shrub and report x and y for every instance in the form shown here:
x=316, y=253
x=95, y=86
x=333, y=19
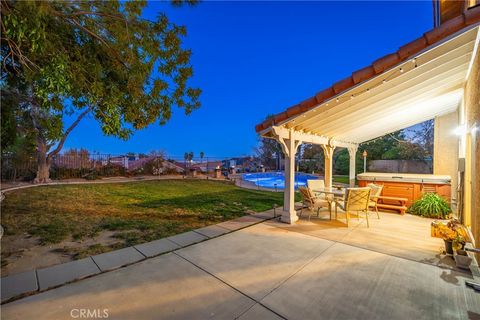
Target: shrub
x=430, y=205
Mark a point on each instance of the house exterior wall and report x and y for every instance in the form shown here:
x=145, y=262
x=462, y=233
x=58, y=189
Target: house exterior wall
x=471, y=109
x=444, y=10
x=445, y=149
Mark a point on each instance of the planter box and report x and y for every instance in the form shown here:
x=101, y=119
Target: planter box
x=462, y=261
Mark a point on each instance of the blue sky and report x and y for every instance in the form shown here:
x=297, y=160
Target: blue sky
x=252, y=59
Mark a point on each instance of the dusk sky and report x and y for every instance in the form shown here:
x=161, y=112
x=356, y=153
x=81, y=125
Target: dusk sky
x=252, y=59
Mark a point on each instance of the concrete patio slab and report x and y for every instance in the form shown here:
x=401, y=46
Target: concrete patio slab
x=187, y=238
x=259, y=312
x=346, y=282
x=66, y=272
x=17, y=284
x=256, y=259
x=404, y=236
x=115, y=259
x=321, y=227
x=212, y=231
x=269, y=214
x=154, y=248
x=166, y=287
x=240, y=223
x=267, y=272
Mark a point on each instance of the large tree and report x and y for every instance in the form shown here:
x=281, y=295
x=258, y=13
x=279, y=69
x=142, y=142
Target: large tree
x=269, y=152
x=96, y=58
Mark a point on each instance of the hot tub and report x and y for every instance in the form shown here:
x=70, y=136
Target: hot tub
x=407, y=185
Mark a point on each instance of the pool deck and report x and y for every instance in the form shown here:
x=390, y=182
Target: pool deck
x=310, y=270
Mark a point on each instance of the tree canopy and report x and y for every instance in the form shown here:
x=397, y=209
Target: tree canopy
x=98, y=58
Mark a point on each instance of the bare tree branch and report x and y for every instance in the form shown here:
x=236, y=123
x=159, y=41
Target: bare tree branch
x=67, y=132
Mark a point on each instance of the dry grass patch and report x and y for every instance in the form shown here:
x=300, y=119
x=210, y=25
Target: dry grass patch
x=136, y=211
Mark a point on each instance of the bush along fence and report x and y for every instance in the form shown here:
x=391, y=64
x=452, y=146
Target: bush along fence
x=83, y=165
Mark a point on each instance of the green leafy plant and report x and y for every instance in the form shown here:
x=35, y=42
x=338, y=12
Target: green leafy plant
x=430, y=205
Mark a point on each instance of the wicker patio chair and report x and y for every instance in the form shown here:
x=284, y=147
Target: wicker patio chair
x=310, y=201
x=374, y=194
x=356, y=199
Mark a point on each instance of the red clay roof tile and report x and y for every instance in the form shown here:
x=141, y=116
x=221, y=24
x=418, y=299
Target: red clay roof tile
x=280, y=117
x=325, y=94
x=386, y=62
x=259, y=127
x=308, y=104
x=472, y=15
x=343, y=84
x=293, y=110
x=363, y=74
x=412, y=48
x=448, y=28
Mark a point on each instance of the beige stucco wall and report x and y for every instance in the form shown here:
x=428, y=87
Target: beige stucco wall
x=471, y=110
x=445, y=149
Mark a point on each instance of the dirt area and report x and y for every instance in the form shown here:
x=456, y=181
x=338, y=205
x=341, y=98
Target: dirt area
x=24, y=252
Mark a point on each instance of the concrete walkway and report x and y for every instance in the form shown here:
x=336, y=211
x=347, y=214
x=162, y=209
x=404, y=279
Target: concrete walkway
x=264, y=272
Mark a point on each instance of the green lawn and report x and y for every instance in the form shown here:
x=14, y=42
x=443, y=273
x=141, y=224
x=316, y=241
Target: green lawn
x=341, y=179
x=136, y=212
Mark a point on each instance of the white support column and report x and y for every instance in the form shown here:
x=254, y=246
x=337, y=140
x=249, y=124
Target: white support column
x=328, y=153
x=289, y=146
x=290, y=139
x=352, y=151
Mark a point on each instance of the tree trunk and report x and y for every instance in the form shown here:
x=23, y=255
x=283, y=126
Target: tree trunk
x=43, y=163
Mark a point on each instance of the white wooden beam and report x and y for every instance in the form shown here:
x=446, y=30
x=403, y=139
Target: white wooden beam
x=352, y=151
x=328, y=156
x=284, y=133
x=290, y=146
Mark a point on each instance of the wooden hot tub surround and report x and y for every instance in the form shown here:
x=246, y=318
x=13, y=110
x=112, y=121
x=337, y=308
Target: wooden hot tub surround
x=407, y=186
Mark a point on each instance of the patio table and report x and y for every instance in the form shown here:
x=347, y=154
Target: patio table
x=334, y=191
x=329, y=190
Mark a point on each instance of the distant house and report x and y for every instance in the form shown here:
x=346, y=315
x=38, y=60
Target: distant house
x=137, y=163
x=242, y=164
x=162, y=165
x=209, y=165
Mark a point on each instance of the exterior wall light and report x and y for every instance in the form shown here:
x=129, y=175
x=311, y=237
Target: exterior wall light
x=461, y=130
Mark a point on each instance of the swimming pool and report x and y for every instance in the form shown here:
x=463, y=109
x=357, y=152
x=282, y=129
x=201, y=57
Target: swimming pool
x=274, y=180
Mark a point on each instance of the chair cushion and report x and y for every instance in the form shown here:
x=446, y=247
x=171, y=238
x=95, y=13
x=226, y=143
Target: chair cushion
x=321, y=202
x=376, y=189
x=316, y=184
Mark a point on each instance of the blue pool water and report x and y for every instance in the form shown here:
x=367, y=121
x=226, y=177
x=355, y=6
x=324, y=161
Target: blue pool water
x=276, y=179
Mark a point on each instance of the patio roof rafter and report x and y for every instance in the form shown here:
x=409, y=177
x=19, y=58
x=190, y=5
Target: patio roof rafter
x=280, y=132
x=444, y=66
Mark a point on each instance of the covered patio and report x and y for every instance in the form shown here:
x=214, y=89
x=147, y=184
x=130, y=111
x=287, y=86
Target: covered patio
x=425, y=79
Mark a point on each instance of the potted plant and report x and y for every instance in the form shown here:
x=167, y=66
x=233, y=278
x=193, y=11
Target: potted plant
x=459, y=242
x=452, y=233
